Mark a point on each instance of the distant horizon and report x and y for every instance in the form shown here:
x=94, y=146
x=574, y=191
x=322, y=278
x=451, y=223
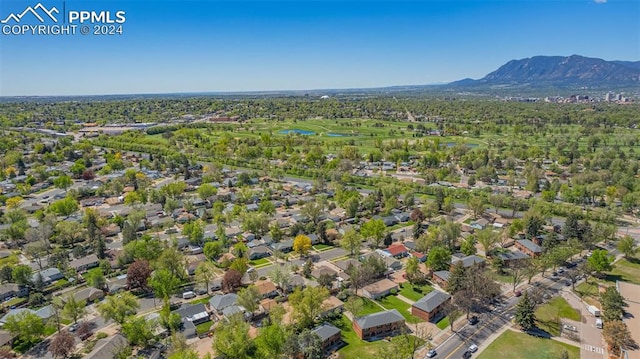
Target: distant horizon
x=286, y=46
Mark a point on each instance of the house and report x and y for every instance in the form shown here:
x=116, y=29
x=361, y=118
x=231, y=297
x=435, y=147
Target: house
x=332, y=305
x=529, y=248
x=330, y=336
x=511, y=257
x=48, y=276
x=258, y=252
x=13, y=290
x=397, y=250
x=45, y=313
x=479, y=224
x=191, y=316
x=219, y=302
x=267, y=289
x=5, y=338
x=84, y=263
x=283, y=246
x=441, y=277
x=296, y=281
x=108, y=347
x=379, y=289
x=420, y=256
x=320, y=270
x=89, y=294
x=379, y=325
x=467, y=261
x=430, y=306
x=345, y=263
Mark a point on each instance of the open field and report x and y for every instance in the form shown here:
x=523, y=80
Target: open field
x=414, y=292
x=514, y=345
x=393, y=302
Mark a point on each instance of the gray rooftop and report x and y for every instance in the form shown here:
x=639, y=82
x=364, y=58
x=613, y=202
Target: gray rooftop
x=325, y=331
x=380, y=318
x=530, y=245
x=512, y=255
x=468, y=261
x=444, y=274
x=432, y=301
x=221, y=301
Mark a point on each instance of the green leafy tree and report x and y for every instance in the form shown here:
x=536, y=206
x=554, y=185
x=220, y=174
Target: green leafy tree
x=374, y=230
x=351, y=242
x=63, y=182
x=22, y=274
x=248, y=298
x=206, y=190
x=600, y=261
x=612, y=304
x=138, y=330
x=412, y=270
x=307, y=304
x=212, y=250
x=205, y=273
x=27, y=326
x=627, y=246
x=233, y=341
x=64, y=207
x=164, y=283
x=74, y=309
x=439, y=258
x=118, y=307
x=487, y=239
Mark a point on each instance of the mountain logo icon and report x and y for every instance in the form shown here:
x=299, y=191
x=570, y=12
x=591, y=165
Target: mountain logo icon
x=39, y=11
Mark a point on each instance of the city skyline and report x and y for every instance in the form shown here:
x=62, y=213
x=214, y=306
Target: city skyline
x=219, y=46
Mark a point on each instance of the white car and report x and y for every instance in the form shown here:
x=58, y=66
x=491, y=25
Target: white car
x=473, y=348
x=431, y=353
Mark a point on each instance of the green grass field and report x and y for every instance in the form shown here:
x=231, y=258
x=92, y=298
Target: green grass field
x=627, y=270
x=393, y=302
x=260, y=262
x=414, y=292
x=548, y=316
x=443, y=323
x=203, y=328
x=514, y=345
x=369, y=307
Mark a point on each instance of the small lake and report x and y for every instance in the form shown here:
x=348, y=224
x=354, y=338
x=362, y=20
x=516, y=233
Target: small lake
x=297, y=132
x=336, y=135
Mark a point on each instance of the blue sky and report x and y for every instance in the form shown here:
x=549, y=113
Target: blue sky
x=201, y=46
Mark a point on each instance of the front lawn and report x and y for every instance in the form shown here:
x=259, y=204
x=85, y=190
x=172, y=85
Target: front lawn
x=627, y=270
x=514, y=345
x=368, y=307
x=322, y=247
x=259, y=262
x=203, y=328
x=393, y=302
x=443, y=323
x=548, y=316
x=201, y=300
x=414, y=292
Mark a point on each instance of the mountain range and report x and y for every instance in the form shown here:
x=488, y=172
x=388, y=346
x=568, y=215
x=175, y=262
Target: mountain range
x=559, y=71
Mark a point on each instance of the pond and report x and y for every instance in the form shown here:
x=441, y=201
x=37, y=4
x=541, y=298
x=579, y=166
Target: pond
x=297, y=132
x=470, y=145
x=335, y=135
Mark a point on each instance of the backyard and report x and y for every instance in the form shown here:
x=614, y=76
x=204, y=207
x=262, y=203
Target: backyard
x=393, y=302
x=414, y=292
x=515, y=345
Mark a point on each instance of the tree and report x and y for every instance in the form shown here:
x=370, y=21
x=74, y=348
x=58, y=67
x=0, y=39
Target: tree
x=627, y=246
x=74, y=309
x=468, y=246
x=206, y=190
x=248, y=298
x=351, y=242
x=525, y=314
x=205, y=273
x=600, y=261
x=27, y=326
x=375, y=230
x=497, y=201
x=281, y=275
x=412, y=270
x=212, y=250
x=270, y=342
x=354, y=305
x=64, y=207
x=233, y=340
x=172, y=260
x=305, y=344
x=439, y=258
x=138, y=330
x=301, y=244
x=164, y=283
x=612, y=304
x=618, y=337
x=457, y=278
x=194, y=230
x=232, y=279
x=118, y=307
x=326, y=280
x=96, y=279
x=312, y=210
x=487, y=239
x=62, y=345
x=171, y=321
x=138, y=275
x=63, y=182
x=21, y=274
x=307, y=305
x=84, y=330
x=477, y=206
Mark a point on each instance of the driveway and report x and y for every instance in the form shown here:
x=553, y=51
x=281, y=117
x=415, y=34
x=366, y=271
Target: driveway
x=591, y=343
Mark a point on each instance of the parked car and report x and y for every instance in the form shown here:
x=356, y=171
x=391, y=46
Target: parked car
x=517, y=293
x=473, y=320
x=431, y=353
x=473, y=348
x=466, y=355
